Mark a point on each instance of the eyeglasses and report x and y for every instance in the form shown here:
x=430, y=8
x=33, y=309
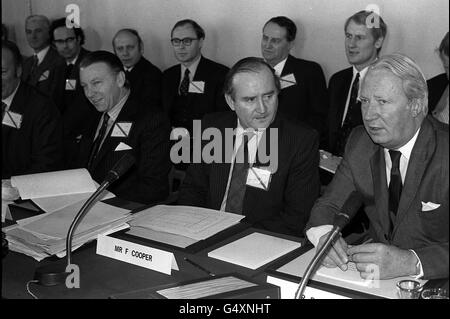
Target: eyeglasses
x=66, y=41
x=186, y=41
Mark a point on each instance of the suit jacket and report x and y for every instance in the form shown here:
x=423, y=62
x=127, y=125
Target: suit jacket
x=307, y=100
x=78, y=115
x=36, y=146
x=436, y=87
x=44, y=77
x=197, y=105
x=338, y=90
x=294, y=185
x=145, y=80
x=364, y=169
x=147, y=181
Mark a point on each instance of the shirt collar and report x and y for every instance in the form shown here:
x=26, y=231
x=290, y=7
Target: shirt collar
x=407, y=148
x=279, y=67
x=362, y=73
x=240, y=130
x=114, y=112
x=74, y=60
x=9, y=99
x=192, y=68
x=41, y=54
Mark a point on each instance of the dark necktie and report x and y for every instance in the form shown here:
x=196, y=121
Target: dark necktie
x=350, y=120
x=3, y=110
x=34, y=66
x=395, y=187
x=184, y=86
x=98, y=140
x=68, y=71
x=236, y=191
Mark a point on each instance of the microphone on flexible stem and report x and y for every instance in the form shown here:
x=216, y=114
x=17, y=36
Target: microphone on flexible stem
x=348, y=211
x=54, y=274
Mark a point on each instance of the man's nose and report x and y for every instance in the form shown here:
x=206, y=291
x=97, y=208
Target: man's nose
x=261, y=106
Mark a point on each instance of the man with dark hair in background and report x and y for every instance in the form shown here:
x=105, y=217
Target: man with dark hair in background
x=39, y=69
x=77, y=113
x=124, y=127
x=144, y=77
x=303, y=95
x=31, y=127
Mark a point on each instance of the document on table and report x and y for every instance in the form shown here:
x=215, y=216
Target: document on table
x=188, y=221
x=205, y=288
x=73, y=181
x=254, y=250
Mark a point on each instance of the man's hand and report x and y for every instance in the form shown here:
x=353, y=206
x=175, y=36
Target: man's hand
x=337, y=255
x=390, y=261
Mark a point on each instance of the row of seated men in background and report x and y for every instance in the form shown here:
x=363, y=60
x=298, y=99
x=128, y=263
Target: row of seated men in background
x=302, y=97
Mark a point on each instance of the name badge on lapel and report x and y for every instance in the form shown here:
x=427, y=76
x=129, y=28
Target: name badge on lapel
x=12, y=119
x=287, y=81
x=71, y=84
x=197, y=87
x=121, y=129
x=259, y=178
x=44, y=76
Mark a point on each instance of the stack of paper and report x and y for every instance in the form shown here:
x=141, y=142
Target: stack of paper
x=53, y=191
x=254, y=250
x=180, y=225
x=45, y=235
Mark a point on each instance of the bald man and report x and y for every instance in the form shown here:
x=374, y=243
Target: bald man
x=39, y=69
x=144, y=77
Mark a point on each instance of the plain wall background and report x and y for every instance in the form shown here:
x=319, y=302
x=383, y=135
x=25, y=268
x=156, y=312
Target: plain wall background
x=233, y=27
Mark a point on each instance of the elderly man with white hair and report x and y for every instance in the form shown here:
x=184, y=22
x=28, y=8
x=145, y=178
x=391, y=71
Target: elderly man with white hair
x=398, y=163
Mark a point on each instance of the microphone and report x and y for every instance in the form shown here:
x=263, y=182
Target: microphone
x=53, y=274
x=348, y=211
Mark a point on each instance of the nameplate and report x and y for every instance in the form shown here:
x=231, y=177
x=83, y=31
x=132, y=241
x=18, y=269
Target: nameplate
x=139, y=255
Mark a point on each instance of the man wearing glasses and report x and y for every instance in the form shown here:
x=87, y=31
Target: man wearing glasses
x=39, y=69
x=193, y=87
x=77, y=113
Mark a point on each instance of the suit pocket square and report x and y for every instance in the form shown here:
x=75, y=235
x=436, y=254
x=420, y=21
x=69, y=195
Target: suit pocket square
x=122, y=147
x=426, y=207
x=44, y=76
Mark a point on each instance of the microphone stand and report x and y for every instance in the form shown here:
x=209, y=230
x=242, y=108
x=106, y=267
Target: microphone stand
x=317, y=257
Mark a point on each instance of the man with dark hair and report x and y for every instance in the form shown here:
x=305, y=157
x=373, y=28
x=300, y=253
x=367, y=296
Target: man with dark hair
x=77, y=113
x=39, y=69
x=275, y=191
x=398, y=163
x=31, y=129
x=144, y=77
x=365, y=32
x=194, y=87
x=124, y=127
x=303, y=95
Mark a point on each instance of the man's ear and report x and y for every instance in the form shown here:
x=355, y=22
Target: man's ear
x=379, y=42
x=19, y=71
x=415, y=108
x=121, y=78
x=230, y=101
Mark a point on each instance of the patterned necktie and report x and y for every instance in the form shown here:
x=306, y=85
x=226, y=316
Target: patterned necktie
x=350, y=120
x=184, y=86
x=395, y=188
x=98, y=140
x=236, y=191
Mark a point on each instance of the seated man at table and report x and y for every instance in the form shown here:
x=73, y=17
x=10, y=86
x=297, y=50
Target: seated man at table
x=123, y=127
x=275, y=191
x=398, y=162
x=31, y=126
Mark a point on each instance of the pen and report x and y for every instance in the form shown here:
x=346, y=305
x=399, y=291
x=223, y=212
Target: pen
x=199, y=267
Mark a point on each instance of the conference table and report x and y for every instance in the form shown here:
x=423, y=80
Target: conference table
x=102, y=277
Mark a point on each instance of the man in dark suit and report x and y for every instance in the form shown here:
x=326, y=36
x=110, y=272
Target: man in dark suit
x=274, y=193
x=78, y=115
x=364, y=35
x=398, y=162
x=303, y=95
x=39, y=69
x=144, y=77
x=192, y=88
x=31, y=129
x=124, y=127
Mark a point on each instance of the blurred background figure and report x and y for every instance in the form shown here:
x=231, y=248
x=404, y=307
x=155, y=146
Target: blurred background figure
x=438, y=87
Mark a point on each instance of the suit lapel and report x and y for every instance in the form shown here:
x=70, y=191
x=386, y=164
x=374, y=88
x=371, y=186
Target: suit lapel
x=380, y=189
x=287, y=67
x=17, y=106
x=420, y=156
